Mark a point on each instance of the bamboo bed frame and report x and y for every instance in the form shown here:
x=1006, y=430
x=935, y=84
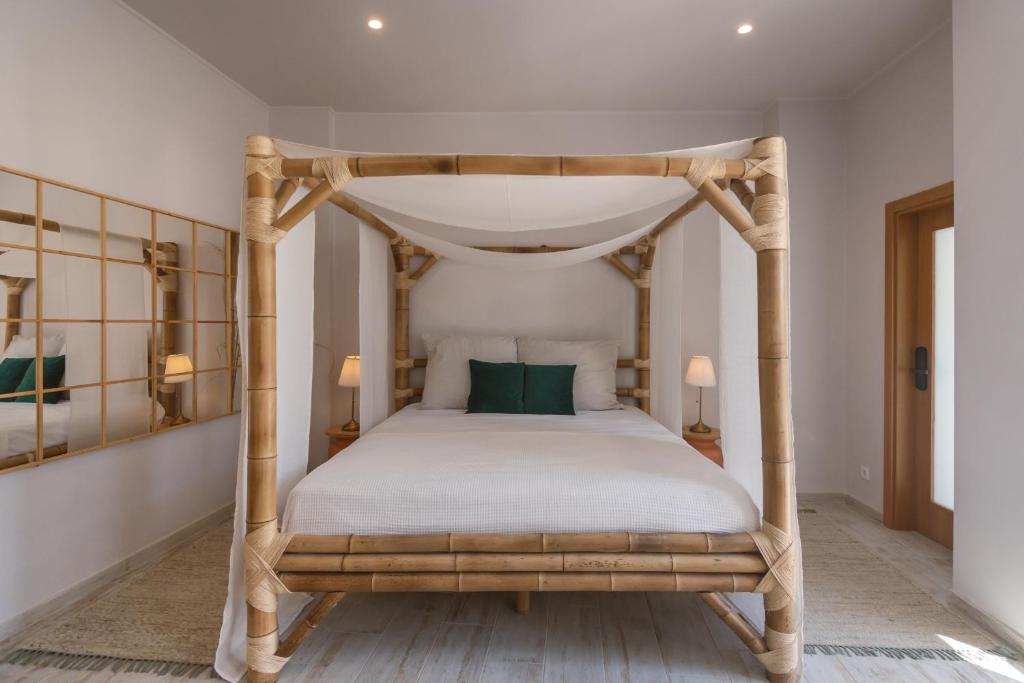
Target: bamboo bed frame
x=763, y=561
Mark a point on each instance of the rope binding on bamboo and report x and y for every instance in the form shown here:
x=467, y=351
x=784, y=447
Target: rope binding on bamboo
x=261, y=654
x=268, y=167
x=783, y=655
x=259, y=216
x=264, y=546
x=334, y=169
x=703, y=169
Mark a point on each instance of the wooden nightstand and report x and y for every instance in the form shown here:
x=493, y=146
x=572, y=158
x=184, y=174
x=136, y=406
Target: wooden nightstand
x=340, y=440
x=706, y=444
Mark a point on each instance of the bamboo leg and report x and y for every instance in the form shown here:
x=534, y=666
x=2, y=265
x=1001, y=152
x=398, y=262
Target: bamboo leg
x=735, y=620
x=262, y=397
x=523, y=602
x=309, y=622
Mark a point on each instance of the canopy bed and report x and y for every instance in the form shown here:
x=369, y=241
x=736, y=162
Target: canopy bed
x=416, y=504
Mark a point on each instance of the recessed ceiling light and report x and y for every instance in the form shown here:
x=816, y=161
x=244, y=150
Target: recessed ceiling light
x=375, y=23
x=744, y=29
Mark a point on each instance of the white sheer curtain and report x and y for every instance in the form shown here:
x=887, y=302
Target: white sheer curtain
x=667, y=331
x=376, y=345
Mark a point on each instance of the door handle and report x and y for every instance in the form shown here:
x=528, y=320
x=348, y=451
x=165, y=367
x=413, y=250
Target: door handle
x=921, y=368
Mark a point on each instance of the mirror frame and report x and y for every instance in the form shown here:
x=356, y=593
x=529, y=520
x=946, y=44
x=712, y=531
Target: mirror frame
x=165, y=276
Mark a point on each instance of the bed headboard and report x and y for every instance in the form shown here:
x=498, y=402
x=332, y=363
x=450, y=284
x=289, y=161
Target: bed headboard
x=550, y=303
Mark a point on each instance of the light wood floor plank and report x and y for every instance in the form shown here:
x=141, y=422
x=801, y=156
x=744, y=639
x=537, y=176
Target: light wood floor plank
x=404, y=645
x=516, y=651
x=573, y=651
x=688, y=651
x=457, y=655
x=631, y=652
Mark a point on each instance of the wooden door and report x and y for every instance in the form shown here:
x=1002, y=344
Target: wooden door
x=919, y=341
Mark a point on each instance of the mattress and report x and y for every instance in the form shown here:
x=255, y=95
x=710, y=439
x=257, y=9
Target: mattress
x=18, y=426
x=437, y=471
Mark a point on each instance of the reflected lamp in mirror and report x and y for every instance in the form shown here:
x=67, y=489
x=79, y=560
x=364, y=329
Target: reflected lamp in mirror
x=700, y=373
x=178, y=369
x=350, y=378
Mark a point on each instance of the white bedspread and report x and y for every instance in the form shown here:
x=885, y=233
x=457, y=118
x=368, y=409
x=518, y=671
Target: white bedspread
x=433, y=471
x=18, y=426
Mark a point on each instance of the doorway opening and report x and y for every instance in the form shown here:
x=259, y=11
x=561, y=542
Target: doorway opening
x=919, y=424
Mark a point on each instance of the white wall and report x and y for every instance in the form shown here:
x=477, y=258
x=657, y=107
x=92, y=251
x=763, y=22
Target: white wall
x=898, y=140
x=814, y=142
x=989, y=553
x=96, y=97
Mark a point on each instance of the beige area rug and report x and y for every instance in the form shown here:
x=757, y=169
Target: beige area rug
x=165, y=619
x=856, y=603
x=162, y=619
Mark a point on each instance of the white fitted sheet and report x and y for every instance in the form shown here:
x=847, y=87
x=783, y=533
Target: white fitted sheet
x=436, y=471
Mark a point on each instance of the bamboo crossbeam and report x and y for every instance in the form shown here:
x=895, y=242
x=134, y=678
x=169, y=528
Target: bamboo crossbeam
x=622, y=363
x=424, y=267
x=730, y=211
x=308, y=624
x=27, y=219
x=620, y=266
x=689, y=206
x=473, y=582
x=633, y=392
x=284, y=192
x=350, y=206
x=713, y=563
x=608, y=542
x=466, y=164
x=305, y=206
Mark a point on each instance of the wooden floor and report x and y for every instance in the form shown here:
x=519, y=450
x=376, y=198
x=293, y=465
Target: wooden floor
x=582, y=637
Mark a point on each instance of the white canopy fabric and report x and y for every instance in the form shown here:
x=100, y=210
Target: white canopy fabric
x=451, y=214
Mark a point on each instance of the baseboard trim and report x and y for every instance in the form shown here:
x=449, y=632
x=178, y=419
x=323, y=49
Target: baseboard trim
x=863, y=507
x=1008, y=635
x=99, y=581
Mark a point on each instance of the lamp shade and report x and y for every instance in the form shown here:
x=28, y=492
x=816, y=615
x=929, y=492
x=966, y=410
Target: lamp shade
x=349, y=372
x=179, y=365
x=700, y=372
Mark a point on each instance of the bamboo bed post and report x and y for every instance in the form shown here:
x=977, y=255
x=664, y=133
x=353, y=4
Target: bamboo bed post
x=770, y=211
x=643, y=337
x=261, y=389
x=402, y=285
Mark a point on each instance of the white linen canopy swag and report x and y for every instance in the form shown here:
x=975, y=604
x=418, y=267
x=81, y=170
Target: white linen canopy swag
x=580, y=209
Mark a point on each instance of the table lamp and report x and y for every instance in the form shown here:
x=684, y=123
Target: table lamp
x=700, y=373
x=179, y=369
x=350, y=378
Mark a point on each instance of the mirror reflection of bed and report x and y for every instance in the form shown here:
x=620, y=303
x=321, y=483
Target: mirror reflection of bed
x=125, y=352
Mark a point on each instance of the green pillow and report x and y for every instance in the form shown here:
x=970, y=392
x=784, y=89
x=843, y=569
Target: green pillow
x=547, y=389
x=495, y=387
x=11, y=372
x=53, y=372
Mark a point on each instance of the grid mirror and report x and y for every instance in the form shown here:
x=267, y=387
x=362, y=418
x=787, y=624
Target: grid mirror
x=118, y=321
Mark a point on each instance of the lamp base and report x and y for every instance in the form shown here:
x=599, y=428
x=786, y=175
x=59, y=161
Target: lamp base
x=350, y=426
x=700, y=428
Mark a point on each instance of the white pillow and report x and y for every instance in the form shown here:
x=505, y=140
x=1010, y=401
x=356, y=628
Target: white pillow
x=593, y=385
x=23, y=346
x=446, y=384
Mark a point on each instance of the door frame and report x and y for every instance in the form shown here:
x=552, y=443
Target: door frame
x=900, y=221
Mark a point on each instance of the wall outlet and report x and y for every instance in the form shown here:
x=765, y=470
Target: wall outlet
x=865, y=473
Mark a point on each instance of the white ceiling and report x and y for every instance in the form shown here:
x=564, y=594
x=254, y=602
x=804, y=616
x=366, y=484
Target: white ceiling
x=544, y=55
